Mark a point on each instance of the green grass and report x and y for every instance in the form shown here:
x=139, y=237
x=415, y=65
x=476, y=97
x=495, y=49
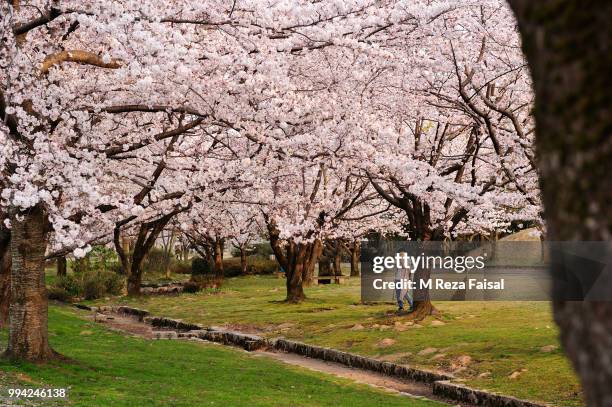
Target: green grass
x=500, y=337
x=110, y=369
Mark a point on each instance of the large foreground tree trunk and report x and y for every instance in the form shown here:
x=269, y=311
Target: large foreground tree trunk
x=28, y=336
x=5, y=275
x=567, y=44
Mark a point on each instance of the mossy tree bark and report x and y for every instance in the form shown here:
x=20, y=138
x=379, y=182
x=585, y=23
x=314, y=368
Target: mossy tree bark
x=28, y=335
x=567, y=44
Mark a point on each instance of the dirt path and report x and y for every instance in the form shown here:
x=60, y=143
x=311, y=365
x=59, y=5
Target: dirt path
x=127, y=324
x=411, y=389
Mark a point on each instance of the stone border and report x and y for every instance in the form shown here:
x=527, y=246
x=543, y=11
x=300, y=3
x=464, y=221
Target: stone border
x=138, y=313
x=165, y=289
x=441, y=385
x=159, y=285
x=446, y=389
x=247, y=342
x=359, y=362
x=168, y=323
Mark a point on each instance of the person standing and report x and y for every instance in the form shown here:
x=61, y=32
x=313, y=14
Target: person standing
x=402, y=275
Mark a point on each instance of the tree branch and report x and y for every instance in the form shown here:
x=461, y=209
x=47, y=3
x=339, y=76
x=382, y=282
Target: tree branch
x=81, y=57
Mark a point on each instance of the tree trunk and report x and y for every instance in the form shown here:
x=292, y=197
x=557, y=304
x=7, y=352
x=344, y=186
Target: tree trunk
x=315, y=254
x=243, y=261
x=296, y=259
x=28, y=335
x=5, y=275
x=62, y=266
x=134, y=278
x=168, y=247
x=301, y=258
x=421, y=310
x=218, y=260
x=338, y=258
x=324, y=266
x=567, y=44
x=295, y=286
x=295, y=273
x=132, y=261
x=355, y=255
x=134, y=281
x=422, y=305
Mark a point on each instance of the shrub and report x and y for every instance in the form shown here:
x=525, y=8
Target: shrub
x=70, y=283
x=58, y=293
x=263, y=266
x=191, y=287
x=90, y=285
x=180, y=267
x=93, y=286
x=255, y=265
x=200, y=267
x=155, y=262
x=101, y=258
x=81, y=265
x=262, y=250
x=231, y=267
x=113, y=283
x=115, y=268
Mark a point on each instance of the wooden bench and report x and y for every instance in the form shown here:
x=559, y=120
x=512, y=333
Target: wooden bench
x=331, y=279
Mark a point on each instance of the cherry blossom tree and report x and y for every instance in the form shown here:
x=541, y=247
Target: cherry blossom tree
x=77, y=134
x=323, y=119
x=450, y=138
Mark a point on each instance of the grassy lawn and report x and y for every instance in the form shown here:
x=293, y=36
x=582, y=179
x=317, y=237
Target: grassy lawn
x=502, y=339
x=110, y=369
